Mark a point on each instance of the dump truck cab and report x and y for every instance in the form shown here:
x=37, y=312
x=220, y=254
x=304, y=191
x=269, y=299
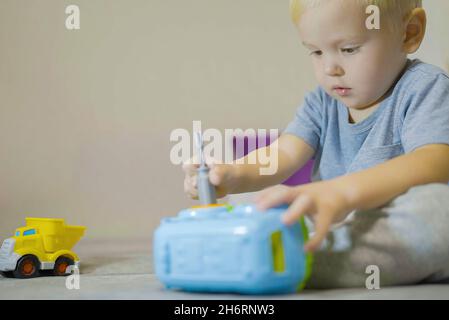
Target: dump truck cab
x=43, y=244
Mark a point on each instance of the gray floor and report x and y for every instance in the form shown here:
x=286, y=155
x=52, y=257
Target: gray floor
x=123, y=270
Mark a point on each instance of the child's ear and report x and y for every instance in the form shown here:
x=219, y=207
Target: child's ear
x=415, y=29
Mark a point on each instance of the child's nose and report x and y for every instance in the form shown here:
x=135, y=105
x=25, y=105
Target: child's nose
x=332, y=69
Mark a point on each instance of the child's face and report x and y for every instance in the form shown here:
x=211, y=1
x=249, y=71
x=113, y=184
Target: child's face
x=353, y=64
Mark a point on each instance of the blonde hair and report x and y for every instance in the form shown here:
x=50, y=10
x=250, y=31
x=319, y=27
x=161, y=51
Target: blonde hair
x=395, y=10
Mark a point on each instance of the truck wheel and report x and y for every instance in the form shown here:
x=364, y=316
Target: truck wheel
x=7, y=274
x=61, y=265
x=27, y=267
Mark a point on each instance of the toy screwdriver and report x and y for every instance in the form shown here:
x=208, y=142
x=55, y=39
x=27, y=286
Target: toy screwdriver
x=206, y=191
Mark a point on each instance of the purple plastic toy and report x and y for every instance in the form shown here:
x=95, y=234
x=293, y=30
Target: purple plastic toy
x=302, y=176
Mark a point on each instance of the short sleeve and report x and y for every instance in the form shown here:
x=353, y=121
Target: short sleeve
x=426, y=118
x=308, y=118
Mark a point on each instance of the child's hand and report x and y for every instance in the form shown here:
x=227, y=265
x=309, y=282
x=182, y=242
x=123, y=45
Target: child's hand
x=222, y=176
x=323, y=201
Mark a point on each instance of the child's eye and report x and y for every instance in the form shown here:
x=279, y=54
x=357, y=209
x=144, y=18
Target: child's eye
x=350, y=50
x=316, y=53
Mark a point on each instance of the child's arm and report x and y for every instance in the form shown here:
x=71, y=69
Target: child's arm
x=332, y=200
x=292, y=152
x=376, y=186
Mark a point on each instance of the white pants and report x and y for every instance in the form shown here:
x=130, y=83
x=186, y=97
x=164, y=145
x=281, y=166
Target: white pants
x=407, y=240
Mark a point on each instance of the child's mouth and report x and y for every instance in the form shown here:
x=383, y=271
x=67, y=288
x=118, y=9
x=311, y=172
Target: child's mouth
x=342, y=91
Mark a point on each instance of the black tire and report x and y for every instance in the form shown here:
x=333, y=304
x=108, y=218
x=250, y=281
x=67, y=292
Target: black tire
x=61, y=265
x=7, y=274
x=27, y=267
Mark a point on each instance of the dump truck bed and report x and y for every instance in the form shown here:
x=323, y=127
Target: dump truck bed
x=55, y=233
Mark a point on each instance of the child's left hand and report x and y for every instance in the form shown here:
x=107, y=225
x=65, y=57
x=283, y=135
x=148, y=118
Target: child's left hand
x=324, y=201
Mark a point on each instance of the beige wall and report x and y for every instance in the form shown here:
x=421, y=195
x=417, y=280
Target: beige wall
x=85, y=116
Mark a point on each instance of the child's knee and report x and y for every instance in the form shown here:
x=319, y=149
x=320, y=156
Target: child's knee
x=437, y=190
x=406, y=240
x=428, y=204
x=427, y=194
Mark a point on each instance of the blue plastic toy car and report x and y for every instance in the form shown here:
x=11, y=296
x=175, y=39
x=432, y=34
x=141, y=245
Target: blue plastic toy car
x=217, y=248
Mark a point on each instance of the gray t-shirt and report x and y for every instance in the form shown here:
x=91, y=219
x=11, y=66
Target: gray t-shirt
x=415, y=113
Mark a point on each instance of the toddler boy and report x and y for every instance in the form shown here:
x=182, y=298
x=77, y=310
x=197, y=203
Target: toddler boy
x=378, y=129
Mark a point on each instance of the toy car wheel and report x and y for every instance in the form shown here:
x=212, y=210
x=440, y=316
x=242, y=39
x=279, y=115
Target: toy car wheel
x=61, y=265
x=7, y=274
x=27, y=267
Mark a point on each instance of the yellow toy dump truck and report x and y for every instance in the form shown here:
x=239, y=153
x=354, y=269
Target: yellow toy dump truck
x=42, y=245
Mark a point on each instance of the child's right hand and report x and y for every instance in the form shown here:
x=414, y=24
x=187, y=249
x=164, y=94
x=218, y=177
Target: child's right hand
x=223, y=176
